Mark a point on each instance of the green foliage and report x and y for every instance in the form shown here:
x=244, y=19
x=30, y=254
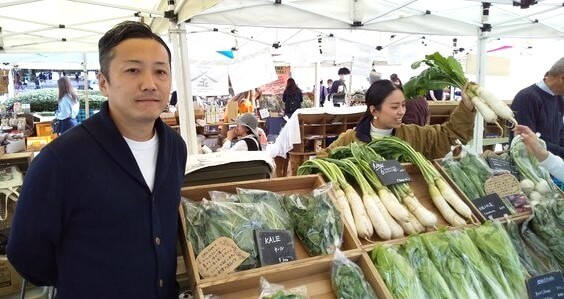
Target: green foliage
x=46, y=99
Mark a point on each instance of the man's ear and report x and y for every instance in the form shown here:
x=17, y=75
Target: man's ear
x=103, y=84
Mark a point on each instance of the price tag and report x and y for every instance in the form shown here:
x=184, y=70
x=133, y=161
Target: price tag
x=220, y=257
x=390, y=172
x=491, y=206
x=275, y=246
x=549, y=285
x=499, y=163
x=264, y=113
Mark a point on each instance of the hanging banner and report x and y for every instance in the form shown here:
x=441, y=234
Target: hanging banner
x=208, y=79
x=252, y=71
x=278, y=86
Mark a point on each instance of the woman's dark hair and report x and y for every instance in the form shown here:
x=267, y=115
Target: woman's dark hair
x=120, y=32
x=376, y=94
x=291, y=87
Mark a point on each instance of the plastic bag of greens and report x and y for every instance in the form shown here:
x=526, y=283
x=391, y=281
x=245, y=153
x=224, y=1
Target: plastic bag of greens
x=347, y=279
x=277, y=291
x=275, y=216
x=236, y=221
x=223, y=196
x=316, y=222
x=195, y=219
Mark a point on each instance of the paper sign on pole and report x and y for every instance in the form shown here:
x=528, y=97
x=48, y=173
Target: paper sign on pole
x=208, y=79
x=252, y=71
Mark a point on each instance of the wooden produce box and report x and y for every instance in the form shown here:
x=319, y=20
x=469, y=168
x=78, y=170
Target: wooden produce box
x=421, y=191
x=10, y=280
x=20, y=160
x=314, y=274
x=517, y=217
x=288, y=185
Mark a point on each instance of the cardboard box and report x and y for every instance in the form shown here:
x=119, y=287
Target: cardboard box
x=10, y=280
x=35, y=144
x=289, y=185
x=232, y=111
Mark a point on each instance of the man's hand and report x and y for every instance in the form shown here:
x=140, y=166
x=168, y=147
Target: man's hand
x=231, y=134
x=465, y=98
x=531, y=142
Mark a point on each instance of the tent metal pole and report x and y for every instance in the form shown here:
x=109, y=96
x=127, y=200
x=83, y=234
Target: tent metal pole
x=112, y=5
x=85, y=79
x=20, y=2
x=389, y=11
x=181, y=72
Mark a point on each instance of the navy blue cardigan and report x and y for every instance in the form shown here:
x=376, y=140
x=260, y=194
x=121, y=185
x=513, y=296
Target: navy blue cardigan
x=543, y=113
x=86, y=221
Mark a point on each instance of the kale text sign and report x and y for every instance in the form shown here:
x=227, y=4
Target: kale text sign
x=390, y=172
x=275, y=246
x=491, y=206
x=502, y=164
x=545, y=286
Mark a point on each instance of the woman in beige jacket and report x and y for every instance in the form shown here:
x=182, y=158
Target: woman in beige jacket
x=383, y=117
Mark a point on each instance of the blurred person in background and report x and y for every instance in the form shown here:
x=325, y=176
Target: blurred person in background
x=68, y=106
x=541, y=108
x=292, y=97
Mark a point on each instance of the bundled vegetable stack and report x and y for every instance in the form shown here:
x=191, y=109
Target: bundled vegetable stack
x=471, y=263
x=447, y=71
x=451, y=206
x=389, y=212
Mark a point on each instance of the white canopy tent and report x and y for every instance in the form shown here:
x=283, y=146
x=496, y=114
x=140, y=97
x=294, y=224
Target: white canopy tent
x=74, y=26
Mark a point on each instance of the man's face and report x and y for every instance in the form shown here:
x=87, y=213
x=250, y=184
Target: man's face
x=558, y=88
x=140, y=78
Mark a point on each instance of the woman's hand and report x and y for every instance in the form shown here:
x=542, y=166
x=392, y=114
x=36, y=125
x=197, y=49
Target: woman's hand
x=531, y=142
x=230, y=134
x=466, y=99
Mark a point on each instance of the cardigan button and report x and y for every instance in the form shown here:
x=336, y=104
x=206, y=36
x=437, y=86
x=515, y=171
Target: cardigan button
x=161, y=283
x=158, y=241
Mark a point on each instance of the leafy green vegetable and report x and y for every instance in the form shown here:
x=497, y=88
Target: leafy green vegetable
x=545, y=226
x=433, y=283
x=316, y=222
x=539, y=248
x=529, y=261
x=274, y=216
x=347, y=279
x=236, y=221
x=194, y=225
x=450, y=265
x=461, y=179
x=400, y=278
x=492, y=241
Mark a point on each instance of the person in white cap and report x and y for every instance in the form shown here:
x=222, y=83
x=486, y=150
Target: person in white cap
x=244, y=137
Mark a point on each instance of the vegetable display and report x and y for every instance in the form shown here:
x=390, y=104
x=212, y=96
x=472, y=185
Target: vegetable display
x=444, y=197
x=347, y=279
x=447, y=71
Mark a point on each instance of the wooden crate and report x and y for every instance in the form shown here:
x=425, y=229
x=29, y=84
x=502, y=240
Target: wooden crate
x=314, y=274
x=518, y=217
x=20, y=160
x=290, y=185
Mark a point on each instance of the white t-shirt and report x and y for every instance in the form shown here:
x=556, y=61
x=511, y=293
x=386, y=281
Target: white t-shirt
x=145, y=153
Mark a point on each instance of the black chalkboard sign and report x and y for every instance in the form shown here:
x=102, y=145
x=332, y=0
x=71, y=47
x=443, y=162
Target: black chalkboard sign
x=491, y=206
x=500, y=163
x=390, y=172
x=275, y=246
x=549, y=285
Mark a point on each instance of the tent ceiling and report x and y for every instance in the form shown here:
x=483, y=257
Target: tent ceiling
x=34, y=26
x=413, y=16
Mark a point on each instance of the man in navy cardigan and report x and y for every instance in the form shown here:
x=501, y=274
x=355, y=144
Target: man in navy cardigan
x=541, y=108
x=98, y=212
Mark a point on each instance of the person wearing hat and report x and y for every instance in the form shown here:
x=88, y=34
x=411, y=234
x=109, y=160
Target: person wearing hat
x=245, y=136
